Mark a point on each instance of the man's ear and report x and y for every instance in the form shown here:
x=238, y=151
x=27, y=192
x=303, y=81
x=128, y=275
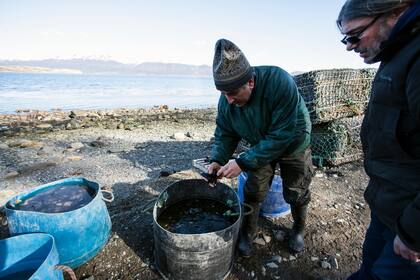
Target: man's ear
x=398, y=12
x=251, y=83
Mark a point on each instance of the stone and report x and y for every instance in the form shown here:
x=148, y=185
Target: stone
x=319, y=175
x=98, y=143
x=165, y=173
x=115, y=150
x=141, y=145
x=179, y=136
x=263, y=271
x=280, y=235
x=74, y=124
x=272, y=265
x=266, y=238
x=277, y=258
x=361, y=205
x=314, y=259
x=325, y=265
x=292, y=258
x=3, y=146
x=45, y=150
x=333, y=262
x=76, y=146
x=74, y=158
x=259, y=241
x=26, y=144
x=10, y=175
x=341, y=221
x=44, y=126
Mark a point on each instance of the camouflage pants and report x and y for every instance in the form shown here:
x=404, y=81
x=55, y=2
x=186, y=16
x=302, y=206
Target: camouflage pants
x=296, y=173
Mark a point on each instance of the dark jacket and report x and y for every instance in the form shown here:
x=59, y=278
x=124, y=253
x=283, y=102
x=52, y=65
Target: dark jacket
x=391, y=136
x=275, y=122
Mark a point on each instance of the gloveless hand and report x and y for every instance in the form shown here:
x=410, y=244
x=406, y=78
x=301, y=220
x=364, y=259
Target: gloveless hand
x=404, y=251
x=229, y=170
x=213, y=168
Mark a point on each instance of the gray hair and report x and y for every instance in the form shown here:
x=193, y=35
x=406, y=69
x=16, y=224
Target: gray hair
x=353, y=9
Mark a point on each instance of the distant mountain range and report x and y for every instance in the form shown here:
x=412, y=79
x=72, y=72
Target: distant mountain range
x=98, y=66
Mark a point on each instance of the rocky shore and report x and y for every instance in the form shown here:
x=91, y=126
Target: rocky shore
x=32, y=121
x=136, y=154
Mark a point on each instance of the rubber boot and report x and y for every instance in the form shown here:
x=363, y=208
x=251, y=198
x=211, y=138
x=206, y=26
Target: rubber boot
x=248, y=231
x=296, y=240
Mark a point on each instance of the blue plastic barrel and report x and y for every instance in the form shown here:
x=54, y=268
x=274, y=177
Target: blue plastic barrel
x=274, y=205
x=29, y=256
x=79, y=234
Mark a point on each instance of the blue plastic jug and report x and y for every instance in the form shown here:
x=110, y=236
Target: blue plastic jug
x=79, y=234
x=29, y=256
x=274, y=205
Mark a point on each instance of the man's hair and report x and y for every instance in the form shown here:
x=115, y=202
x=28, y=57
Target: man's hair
x=353, y=9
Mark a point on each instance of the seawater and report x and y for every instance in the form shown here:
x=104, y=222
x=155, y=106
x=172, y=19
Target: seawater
x=194, y=216
x=70, y=91
x=57, y=199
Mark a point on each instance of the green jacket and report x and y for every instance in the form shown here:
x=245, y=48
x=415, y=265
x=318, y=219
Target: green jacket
x=275, y=122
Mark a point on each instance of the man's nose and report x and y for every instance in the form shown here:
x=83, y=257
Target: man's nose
x=350, y=46
x=229, y=99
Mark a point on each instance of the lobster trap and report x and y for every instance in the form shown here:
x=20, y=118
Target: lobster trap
x=334, y=94
x=337, y=142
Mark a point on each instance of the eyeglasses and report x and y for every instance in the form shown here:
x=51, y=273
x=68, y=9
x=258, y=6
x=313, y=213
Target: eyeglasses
x=356, y=38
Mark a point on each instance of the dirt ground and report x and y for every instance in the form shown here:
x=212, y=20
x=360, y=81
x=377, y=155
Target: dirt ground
x=134, y=164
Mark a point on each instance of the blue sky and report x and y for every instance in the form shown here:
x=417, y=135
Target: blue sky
x=295, y=35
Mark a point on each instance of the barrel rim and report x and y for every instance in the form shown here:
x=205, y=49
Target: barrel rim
x=155, y=222
x=37, y=235
x=8, y=205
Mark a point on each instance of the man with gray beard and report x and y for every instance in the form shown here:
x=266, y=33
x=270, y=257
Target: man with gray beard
x=388, y=31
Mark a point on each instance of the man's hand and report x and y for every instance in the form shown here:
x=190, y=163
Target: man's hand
x=404, y=251
x=213, y=168
x=229, y=170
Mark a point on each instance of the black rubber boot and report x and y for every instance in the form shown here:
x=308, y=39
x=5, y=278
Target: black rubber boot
x=296, y=240
x=248, y=231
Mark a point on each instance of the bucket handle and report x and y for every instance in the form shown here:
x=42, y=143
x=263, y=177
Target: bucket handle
x=251, y=209
x=107, y=192
x=68, y=270
x=243, y=205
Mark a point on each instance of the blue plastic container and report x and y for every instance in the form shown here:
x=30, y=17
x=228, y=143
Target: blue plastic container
x=79, y=234
x=274, y=205
x=29, y=256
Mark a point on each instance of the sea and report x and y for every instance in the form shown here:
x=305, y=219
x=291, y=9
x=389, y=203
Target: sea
x=22, y=91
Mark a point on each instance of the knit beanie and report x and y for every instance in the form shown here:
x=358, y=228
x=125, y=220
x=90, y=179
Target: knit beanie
x=231, y=69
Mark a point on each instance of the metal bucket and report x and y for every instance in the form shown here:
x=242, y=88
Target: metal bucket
x=79, y=234
x=195, y=256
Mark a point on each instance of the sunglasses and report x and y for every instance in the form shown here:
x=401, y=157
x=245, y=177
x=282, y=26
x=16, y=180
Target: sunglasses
x=356, y=38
